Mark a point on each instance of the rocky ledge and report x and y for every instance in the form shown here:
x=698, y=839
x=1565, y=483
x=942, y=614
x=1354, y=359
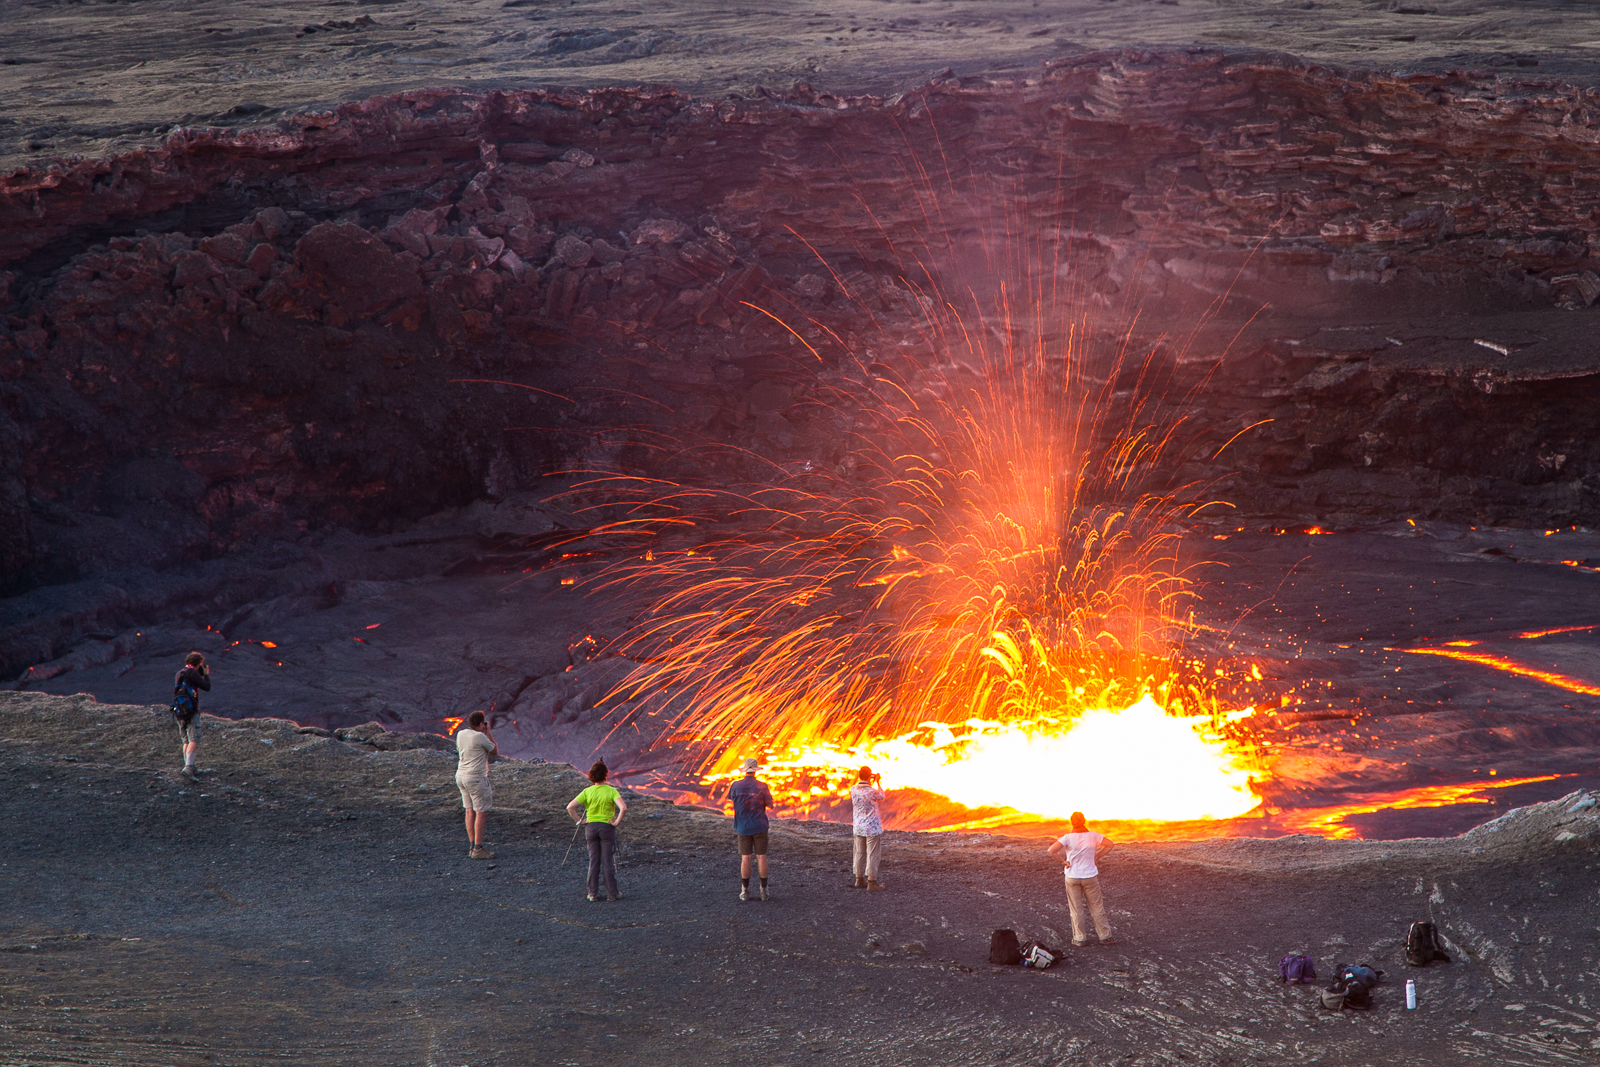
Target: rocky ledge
x=363, y=315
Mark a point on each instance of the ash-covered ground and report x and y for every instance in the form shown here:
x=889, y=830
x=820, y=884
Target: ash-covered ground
x=310, y=901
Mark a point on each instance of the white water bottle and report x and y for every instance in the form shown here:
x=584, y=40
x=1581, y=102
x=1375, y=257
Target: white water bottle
x=1411, y=993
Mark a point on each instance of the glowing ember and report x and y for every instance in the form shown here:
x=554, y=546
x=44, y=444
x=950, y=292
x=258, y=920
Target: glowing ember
x=1558, y=630
x=1511, y=666
x=453, y=724
x=1330, y=821
x=1138, y=763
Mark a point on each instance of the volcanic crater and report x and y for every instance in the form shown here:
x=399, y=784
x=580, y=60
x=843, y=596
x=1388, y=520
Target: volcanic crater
x=402, y=394
x=251, y=372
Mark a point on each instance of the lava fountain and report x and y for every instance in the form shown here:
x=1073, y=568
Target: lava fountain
x=984, y=597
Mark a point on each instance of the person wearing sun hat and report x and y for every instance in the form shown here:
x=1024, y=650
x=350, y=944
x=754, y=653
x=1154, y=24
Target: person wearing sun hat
x=751, y=798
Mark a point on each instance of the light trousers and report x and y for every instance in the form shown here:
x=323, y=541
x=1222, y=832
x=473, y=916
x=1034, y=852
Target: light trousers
x=1085, y=902
x=864, y=855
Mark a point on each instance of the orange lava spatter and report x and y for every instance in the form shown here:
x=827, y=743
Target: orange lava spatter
x=1511, y=666
x=982, y=592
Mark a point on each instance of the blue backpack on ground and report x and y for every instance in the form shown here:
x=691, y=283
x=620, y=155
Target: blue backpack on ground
x=1361, y=974
x=1297, y=969
x=185, y=701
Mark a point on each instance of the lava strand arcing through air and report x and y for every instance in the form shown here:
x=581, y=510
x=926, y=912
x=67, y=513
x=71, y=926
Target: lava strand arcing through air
x=997, y=544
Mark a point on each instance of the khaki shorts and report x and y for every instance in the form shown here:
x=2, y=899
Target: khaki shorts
x=189, y=732
x=475, y=794
x=753, y=843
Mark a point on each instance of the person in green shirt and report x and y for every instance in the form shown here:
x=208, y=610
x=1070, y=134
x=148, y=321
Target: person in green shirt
x=603, y=808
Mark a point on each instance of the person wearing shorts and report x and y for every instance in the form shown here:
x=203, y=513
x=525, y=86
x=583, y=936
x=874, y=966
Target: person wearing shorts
x=750, y=799
x=197, y=676
x=603, y=808
x=476, y=745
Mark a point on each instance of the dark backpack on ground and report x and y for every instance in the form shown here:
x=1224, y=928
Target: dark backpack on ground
x=1357, y=997
x=1422, y=945
x=1004, y=948
x=185, y=701
x=1360, y=974
x=1297, y=969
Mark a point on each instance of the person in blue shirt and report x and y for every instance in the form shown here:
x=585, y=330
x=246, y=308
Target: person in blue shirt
x=751, y=799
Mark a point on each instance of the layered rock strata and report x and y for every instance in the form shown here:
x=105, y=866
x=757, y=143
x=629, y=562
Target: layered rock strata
x=408, y=303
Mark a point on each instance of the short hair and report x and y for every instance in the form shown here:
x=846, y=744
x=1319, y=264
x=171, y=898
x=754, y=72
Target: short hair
x=865, y=774
x=475, y=720
x=1078, y=824
x=598, y=772
x=194, y=659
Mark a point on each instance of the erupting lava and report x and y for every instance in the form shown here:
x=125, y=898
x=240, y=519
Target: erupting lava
x=1138, y=763
x=980, y=593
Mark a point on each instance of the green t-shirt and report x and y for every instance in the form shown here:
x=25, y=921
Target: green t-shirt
x=600, y=801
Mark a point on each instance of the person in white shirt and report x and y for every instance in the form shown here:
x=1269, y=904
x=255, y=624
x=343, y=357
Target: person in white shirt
x=1077, y=851
x=476, y=745
x=867, y=823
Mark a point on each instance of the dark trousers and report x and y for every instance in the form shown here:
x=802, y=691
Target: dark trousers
x=602, y=838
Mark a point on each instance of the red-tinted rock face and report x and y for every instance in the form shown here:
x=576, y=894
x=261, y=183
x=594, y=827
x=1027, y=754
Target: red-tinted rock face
x=245, y=332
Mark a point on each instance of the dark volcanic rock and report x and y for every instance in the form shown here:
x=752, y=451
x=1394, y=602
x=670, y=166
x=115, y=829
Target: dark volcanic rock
x=328, y=322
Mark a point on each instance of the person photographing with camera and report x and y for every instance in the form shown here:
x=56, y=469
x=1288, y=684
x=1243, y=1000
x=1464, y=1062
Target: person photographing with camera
x=193, y=676
x=476, y=747
x=866, y=797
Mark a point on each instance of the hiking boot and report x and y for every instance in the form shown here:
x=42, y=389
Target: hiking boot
x=744, y=892
x=480, y=853
x=1082, y=944
x=874, y=884
x=763, y=892
x=1108, y=941
x=615, y=896
x=859, y=883
x=593, y=899
x=189, y=772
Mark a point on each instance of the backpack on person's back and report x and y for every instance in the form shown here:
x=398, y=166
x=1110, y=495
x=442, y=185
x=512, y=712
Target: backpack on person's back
x=185, y=700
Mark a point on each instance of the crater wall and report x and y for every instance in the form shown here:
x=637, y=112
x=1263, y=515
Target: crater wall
x=364, y=315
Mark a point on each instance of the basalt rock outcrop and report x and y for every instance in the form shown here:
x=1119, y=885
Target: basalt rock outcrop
x=364, y=315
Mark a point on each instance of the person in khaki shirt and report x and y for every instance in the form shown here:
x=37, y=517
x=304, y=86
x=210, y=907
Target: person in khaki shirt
x=476, y=744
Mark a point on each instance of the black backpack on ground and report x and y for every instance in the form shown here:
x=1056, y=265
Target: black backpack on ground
x=185, y=701
x=1357, y=997
x=1422, y=945
x=1004, y=948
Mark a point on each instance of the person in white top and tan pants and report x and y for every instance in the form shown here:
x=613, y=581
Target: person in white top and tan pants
x=1077, y=852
